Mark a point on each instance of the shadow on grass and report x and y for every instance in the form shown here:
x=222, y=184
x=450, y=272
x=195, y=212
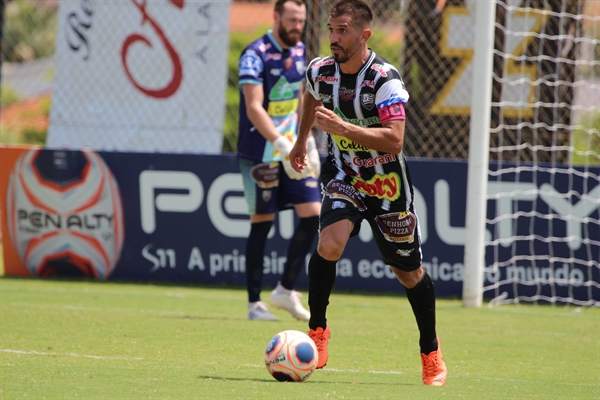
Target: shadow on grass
x=310, y=381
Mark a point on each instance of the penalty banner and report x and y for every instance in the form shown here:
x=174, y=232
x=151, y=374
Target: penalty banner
x=183, y=218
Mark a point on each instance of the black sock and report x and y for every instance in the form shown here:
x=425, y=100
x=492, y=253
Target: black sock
x=255, y=252
x=422, y=301
x=321, y=277
x=299, y=246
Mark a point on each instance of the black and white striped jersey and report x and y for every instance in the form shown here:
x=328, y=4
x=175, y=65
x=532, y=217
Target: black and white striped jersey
x=374, y=95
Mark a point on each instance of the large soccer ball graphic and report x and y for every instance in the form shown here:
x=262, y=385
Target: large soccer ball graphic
x=291, y=356
x=64, y=214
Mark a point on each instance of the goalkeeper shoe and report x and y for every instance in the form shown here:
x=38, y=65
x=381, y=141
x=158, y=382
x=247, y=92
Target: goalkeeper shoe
x=289, y=300
x=258, y=311
x=321, y=337
x=434, y=367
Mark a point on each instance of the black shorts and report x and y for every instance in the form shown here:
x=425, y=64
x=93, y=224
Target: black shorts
x=397, y=234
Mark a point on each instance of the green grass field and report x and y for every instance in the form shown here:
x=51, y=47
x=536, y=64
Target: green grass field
x=67, y=339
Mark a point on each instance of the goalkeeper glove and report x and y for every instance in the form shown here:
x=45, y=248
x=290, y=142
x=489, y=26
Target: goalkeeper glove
x=284, y=146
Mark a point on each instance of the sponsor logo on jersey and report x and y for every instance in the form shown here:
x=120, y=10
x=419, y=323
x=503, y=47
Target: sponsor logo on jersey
x=368, y=83
x=360, y=122
x=379, y=68
x=264, y=47
x=274, y=56
x=283, y=90
x=275, y=71
x=282, y=108
x=371, y=162
x=347, y=144
x=326, y=79
x=300, y=67
x=299, y=52
x=386, y=187
x=325, y=98
x=322, y=63
x=346, y=94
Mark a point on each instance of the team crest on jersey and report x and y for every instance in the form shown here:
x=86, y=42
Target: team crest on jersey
x=250, y=64
x=367, y=100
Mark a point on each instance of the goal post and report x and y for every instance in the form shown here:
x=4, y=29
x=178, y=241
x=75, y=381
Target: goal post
x=533, y=201
x=481, y=97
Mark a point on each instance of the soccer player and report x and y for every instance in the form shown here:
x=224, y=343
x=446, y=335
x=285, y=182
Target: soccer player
x=271, y=79
x=358, y=98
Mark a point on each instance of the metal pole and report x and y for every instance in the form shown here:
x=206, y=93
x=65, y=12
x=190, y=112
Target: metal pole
x=479, y=143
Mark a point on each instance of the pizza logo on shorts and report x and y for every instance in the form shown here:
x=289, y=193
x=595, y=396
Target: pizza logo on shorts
x=265, y=175
x=398, y=227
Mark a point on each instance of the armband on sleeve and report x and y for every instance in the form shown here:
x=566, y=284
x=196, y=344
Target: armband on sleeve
x=393, y=112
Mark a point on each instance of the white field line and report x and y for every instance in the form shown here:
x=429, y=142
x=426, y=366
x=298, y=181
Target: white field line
x=52, y=353
x=87, y=308
x=356, y=371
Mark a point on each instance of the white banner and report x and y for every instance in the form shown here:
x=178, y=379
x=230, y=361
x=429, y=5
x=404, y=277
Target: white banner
x=140, y=75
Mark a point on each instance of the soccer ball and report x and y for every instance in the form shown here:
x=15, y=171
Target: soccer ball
x=291, y=356
x=64, y=214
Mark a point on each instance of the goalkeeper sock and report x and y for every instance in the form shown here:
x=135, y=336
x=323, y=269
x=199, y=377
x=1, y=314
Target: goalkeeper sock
x=321, y=277
x=255, y=251
x=299, y=246
x=422, y=300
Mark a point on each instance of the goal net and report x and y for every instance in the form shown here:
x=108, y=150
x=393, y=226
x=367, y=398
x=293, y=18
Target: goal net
x=543, y=226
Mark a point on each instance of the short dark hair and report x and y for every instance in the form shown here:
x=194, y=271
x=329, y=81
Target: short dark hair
x=358, y=10
x=279, y=4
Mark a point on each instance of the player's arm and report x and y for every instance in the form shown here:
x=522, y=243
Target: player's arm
x=307, y=120
x=389, y=138
x=254, y=97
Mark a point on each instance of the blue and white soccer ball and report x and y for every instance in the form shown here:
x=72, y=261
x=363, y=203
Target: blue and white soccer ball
x=291, y=356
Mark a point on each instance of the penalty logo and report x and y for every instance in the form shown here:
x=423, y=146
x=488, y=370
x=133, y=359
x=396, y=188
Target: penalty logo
x=64, y=214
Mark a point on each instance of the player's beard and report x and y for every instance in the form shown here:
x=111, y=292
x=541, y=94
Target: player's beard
x=345, y=54
x=289, y=38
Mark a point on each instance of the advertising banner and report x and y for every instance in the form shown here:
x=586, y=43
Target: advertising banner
x=183, y=218
x=140, y=75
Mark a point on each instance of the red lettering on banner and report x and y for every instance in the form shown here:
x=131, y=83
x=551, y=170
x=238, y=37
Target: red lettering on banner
x=177, y=76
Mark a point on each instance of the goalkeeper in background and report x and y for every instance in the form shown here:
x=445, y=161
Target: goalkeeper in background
x=271, y=80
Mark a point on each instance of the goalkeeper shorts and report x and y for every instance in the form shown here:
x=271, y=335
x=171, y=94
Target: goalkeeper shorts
x=268, y=189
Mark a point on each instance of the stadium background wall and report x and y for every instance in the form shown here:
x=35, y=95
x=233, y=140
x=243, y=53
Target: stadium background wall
x=185, y=221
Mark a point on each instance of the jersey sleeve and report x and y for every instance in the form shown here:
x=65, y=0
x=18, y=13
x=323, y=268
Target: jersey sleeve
x=310, y=79
x=250, y=68
x=390, y=100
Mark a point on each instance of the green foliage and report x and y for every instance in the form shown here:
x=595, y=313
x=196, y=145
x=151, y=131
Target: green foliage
x=8, y=95
x=34, y=136
x=108, y=340
x=30, y=30
x=586, y=140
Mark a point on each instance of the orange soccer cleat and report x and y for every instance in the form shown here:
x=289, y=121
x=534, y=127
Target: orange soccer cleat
x=434, y=367
x=321, y=337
